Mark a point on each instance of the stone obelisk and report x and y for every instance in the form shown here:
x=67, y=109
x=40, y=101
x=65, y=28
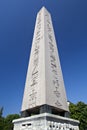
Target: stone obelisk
x=44, y=83
x=44, y=94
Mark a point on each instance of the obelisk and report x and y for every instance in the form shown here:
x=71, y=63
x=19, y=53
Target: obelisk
x=44, y=105
x=44, y=81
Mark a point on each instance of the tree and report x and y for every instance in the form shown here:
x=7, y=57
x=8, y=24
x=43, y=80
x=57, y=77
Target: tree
x=1, y=119
x=79, y=112
x=8, y=121
x=1, y=123
x=1, y=111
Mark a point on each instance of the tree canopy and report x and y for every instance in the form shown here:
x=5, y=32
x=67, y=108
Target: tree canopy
x=79, y=112
x=1, y=111
x=6, y=122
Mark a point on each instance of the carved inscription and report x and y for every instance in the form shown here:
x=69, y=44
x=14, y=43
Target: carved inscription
x=35, y=71
x=53, y=62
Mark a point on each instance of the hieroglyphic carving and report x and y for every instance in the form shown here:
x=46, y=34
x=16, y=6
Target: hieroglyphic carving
x=44, y=83
x=33, y=98
x=35, y=71
x=53, y=62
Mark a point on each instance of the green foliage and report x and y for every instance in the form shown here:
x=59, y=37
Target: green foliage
x=1, y=123
x=79, y=112
x=1, y=119
x=1, y=111
x=6, y=123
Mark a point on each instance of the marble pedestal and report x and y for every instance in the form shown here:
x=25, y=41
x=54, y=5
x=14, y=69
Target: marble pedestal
x=45, y=121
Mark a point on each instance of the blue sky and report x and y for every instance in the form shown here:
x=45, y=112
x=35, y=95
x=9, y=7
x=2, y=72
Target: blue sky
x=17, y=21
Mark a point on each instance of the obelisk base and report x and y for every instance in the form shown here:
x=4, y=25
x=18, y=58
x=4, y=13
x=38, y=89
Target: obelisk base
x=45, y=121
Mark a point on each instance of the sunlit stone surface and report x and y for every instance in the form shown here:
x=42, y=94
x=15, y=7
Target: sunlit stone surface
x=44, y=89
x=45, y=122
x=44, y=82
